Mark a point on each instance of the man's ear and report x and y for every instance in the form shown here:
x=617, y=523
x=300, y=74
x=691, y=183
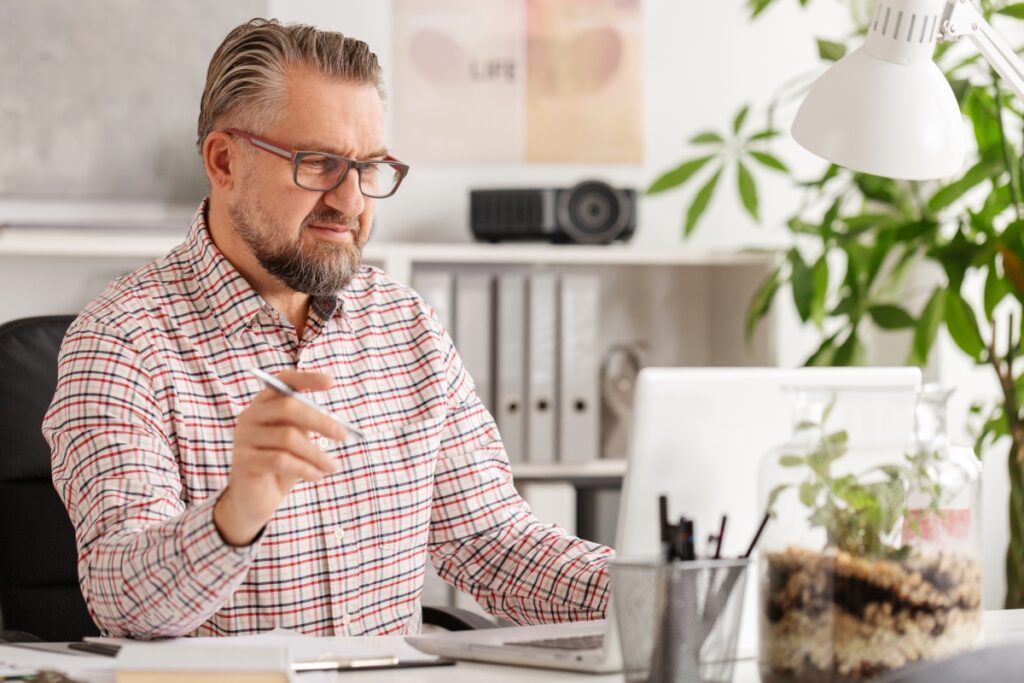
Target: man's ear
x=220, y=160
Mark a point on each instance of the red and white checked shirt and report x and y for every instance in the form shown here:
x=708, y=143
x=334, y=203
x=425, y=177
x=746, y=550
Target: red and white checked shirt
x=152, y=377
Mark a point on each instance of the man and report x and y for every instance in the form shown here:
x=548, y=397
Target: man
x=204, y=503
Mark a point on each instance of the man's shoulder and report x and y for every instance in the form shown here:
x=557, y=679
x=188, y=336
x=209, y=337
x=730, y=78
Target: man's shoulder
x=373, y=289
x=129, y=300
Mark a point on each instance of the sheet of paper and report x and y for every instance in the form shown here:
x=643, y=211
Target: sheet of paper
x=93, y=669
x=303, y=647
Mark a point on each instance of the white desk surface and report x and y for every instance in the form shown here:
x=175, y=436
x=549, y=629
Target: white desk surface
x=999, y=627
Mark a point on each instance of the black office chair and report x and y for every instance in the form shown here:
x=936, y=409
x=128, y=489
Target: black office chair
x=39, y=592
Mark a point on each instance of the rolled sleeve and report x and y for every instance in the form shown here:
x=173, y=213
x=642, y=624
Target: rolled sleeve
x=149, y=564
x=484, y=538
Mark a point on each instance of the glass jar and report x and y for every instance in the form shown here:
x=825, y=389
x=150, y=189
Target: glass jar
x=871, y=559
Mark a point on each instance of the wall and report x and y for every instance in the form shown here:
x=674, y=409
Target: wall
x=703, y=60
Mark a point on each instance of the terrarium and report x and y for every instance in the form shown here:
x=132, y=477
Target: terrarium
x=870, y=561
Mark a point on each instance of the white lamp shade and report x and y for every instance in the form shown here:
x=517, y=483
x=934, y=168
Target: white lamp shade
x=879, y=117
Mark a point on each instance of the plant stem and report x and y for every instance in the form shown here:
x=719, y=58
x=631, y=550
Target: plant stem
x=1005, y=147
x=1015, y=550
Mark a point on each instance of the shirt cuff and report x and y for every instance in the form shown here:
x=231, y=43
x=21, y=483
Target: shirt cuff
x=207, y=554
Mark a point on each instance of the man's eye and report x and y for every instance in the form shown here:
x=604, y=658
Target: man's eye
x=320, y=164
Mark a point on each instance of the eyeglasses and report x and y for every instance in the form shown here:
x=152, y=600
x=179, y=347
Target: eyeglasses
x=322, y=172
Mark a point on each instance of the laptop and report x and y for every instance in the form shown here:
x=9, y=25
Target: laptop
x=698, y=437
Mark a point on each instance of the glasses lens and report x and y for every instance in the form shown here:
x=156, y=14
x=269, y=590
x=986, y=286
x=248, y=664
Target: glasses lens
x=380, y=178
x=318, y=171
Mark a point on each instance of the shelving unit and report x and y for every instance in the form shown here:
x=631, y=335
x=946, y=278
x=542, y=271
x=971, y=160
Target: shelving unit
x=687, y=307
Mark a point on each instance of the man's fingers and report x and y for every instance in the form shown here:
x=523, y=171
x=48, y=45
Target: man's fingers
x=301, y=380
x=297, y=380
x=288, y=411
x=286, y=465
x=290, y=440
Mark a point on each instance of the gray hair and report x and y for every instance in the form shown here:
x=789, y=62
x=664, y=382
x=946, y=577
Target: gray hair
x=246, y=77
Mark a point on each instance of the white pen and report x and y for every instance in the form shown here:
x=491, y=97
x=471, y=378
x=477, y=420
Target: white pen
x=341, y=663
x=282, y=388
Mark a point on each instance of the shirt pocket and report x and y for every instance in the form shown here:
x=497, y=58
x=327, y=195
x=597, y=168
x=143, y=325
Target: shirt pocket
x=400, y=462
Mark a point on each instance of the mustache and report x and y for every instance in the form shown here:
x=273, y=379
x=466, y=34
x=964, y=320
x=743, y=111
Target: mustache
x=331, y=218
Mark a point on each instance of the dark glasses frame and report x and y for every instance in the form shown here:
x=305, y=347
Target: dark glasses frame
x=296, y=156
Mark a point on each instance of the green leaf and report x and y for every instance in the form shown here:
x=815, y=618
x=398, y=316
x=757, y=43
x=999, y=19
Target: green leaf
x=823, y=355
x=980, y=108
x=801, y=226
x=809, y=493
x=803, y=284
x=977, y=174
x=996, y=289
x=997, y=201
x=890, y=317
x=1016, y=11
x=908, y=232
x=770, y=161
x=831, y=51
x=700, y=202
x=707, y=138
x=791, y=461
x=761, y=302
x=819, y=280
x=766, y=134
x=927, y=327
x=774, y=496
x=956, y=256
x=846, y=306
x=737, y=123
x=678, y=175
x=747, y=188
x=877, y=188
x=850, y=352
x=758, y=6
x=963, y=326
x=960, y=86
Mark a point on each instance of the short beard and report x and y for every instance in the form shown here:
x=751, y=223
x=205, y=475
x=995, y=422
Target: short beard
x=320, y=271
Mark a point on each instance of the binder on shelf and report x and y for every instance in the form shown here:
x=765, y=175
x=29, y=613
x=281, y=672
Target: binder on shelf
x=579, y=387
x=553, y=502
x=474, y=306
x=435, y=286
x=510, y=364
x=541, y=389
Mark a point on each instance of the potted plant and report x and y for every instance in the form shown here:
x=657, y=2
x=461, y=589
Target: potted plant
x=856, y=237
x=861, y=573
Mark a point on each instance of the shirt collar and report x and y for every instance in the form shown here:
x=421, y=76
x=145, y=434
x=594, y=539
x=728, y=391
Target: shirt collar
x=233, y=301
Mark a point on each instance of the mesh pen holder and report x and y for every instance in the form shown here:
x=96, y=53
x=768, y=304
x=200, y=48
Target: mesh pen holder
x=679, y=621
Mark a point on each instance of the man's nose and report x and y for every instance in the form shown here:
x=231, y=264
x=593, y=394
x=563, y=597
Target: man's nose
x=347, y=197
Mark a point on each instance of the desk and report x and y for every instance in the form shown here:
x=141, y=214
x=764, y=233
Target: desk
x=999, y=627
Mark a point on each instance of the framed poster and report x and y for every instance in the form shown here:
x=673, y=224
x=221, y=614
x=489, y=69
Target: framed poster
x=518, y=80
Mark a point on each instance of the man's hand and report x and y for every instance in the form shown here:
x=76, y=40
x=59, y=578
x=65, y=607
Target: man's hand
x=272, y=452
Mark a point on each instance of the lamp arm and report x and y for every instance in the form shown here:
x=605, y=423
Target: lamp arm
x=962, y=18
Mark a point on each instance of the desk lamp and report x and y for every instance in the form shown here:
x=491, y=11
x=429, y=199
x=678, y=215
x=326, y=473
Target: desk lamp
x=886, y=108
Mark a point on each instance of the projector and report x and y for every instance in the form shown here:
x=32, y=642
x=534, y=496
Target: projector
x=591, y=212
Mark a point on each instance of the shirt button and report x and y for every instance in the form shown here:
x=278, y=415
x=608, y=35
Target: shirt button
x=346, y=620
x=339, y=533
x=324, y=443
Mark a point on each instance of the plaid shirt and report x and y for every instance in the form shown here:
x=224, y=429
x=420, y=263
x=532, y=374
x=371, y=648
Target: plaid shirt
x=152, y=378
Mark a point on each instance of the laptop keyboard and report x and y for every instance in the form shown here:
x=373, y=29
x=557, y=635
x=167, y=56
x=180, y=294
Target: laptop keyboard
x=591, y=642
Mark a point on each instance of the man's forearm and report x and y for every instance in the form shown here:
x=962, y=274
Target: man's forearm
x=530, y=573
x=164, y=581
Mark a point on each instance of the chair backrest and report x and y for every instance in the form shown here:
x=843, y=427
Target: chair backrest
x=39, y=591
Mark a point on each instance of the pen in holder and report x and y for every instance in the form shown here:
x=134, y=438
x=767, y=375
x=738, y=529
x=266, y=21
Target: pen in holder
x=679, y=617
x=679, y=621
